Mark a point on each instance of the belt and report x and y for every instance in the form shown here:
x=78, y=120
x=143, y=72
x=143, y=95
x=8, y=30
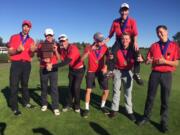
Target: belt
x=21, y=61
x=122, y=69
x=79, y=68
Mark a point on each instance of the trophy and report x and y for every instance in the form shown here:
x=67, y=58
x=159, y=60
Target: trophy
x=47, y=51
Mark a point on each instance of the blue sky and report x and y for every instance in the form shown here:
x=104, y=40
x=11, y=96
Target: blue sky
x=80, y=19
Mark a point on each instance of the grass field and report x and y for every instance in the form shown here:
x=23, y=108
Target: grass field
x=70, y=123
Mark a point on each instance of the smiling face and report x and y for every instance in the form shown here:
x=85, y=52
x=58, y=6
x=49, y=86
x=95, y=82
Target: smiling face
x=162, y=34
x=126, y=40
x=64, y=43
x=25, y=29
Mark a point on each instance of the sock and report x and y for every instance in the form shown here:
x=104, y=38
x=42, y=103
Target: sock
x=103, y=103
x=87, y=106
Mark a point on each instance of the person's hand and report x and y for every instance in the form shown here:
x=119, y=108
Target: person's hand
x=47, y=60
x=33, y=47
x=162, y=60
x=55, y=48
x=149, y=61
x=20, y=48
x=49, y=66
x=140, y=58
x=106, y=40
x=111, y=56
x=136, y=47
x=94, y=47
x=104, y=70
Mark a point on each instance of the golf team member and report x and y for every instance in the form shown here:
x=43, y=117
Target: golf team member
x=70, y=55
x=96, y=54
x=163, y=57
x=49, y=75
x=123, y=74
x=21, y=50
x=119, y=26
x=178, y=51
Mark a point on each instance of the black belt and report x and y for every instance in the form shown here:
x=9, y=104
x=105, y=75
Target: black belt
x=26, y=61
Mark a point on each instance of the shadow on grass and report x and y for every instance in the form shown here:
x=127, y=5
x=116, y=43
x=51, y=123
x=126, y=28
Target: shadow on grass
x=2, y=128
x=6, y=93
x=98, y=129
x=156, y=125
x=63, y=91
x=123, y=111
x=42, y=131
x=95, y=99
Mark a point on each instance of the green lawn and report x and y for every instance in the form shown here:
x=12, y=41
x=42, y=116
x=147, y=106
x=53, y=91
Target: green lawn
x=70, y=123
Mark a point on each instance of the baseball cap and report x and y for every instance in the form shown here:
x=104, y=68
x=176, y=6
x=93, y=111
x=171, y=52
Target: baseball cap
x=98, y=37
x=125, y=5
x=27, y=22
x=62, y=37
x=48, y=31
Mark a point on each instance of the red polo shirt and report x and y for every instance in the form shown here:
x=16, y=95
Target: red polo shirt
x=179, y=52
x=130, y=28
x=53, y=59
x=96, y=58
x=171, y=54
x=124, y=62
x=25, y=55
x=73, y=53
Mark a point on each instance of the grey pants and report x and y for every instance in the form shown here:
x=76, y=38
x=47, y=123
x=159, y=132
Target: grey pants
x=125, y=77
x=51, y=76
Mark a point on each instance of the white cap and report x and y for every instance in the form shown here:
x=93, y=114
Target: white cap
x=49, y=31
x=124, y=5
x=62, y=37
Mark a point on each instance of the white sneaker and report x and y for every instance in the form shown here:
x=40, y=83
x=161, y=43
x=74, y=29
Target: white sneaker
x=77, y=110
x=56, y=112
x=67, y=108
x=44, y=108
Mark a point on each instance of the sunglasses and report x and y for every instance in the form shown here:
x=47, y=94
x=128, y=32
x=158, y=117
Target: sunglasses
x=48, y=35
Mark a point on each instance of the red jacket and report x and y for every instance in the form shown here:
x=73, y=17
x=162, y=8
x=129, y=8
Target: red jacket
x=14, y=43
x=96, y=58
x=130, y=28
x=171, y=54
x=73, y=53
x=124, y=62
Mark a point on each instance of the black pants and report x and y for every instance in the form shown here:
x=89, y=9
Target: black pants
x=114, y=50
x=51, y=76
x=75, y=79
x=19, y=72
x=165, y=81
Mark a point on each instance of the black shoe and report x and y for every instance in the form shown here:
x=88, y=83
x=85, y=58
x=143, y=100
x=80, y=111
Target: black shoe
x=132, y=117
x=112, y=114
x=164, y=128
x=138, y=79
x=142, y=122
x=85, y=113
x=29, y=106
x=105, y=111
x=17, y=112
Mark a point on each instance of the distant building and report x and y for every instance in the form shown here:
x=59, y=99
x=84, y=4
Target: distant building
x=3, y=50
